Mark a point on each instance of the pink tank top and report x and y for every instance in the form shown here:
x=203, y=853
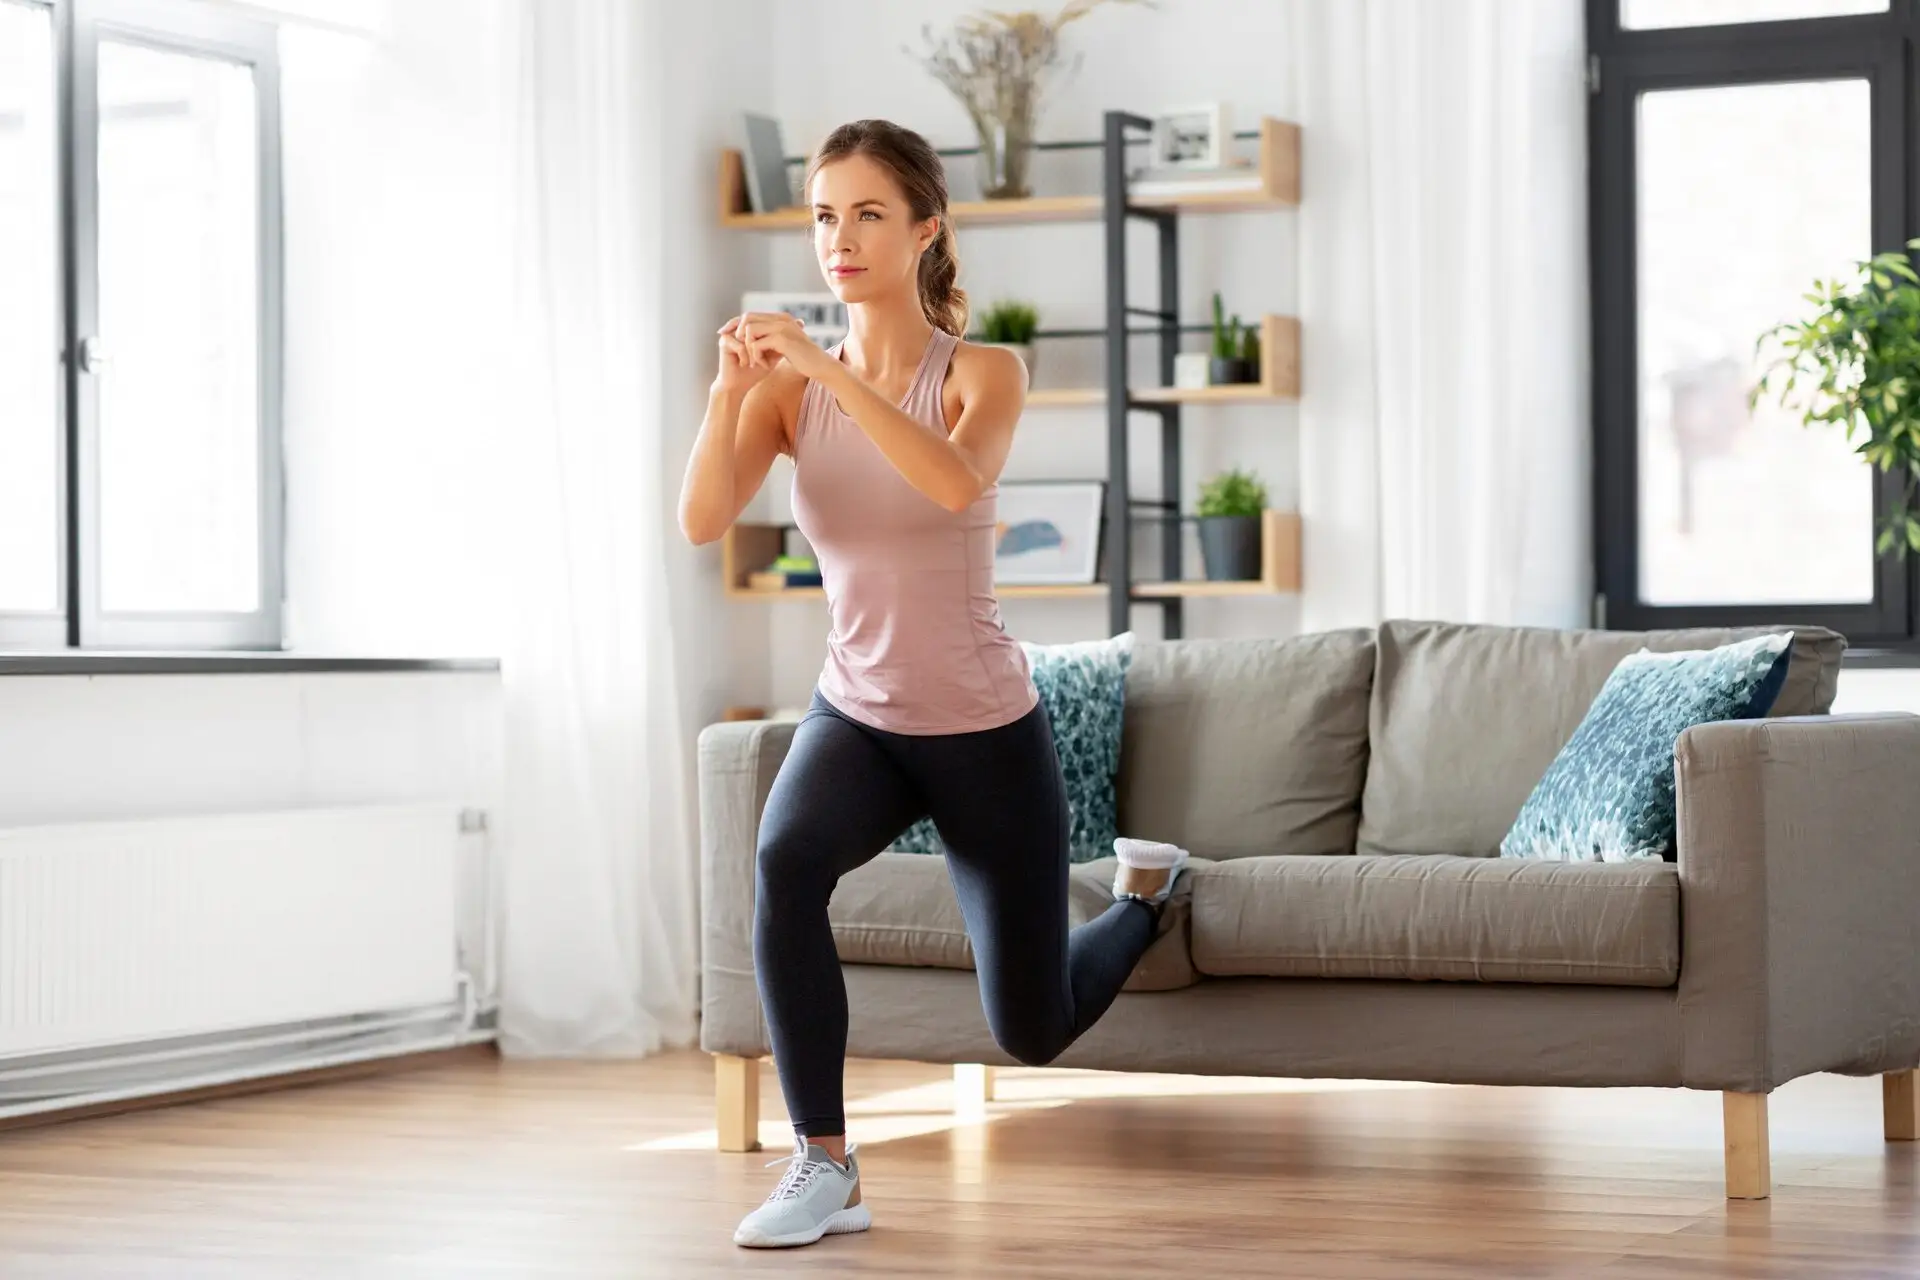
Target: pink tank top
x=916, y=644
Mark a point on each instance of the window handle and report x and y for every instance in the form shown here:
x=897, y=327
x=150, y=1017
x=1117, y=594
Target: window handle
x=93, y=355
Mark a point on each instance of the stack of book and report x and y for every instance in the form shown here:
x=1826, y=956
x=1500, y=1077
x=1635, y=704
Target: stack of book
x=1240, y=175
x=787, y=571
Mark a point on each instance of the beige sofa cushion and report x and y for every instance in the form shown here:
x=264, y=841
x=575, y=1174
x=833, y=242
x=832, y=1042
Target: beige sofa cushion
x=900, y=909
x=1233, y=748
x=1465, y=719
x=1463, y=919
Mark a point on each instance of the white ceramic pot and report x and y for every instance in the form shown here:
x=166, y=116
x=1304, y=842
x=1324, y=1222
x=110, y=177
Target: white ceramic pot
x=1190, y=369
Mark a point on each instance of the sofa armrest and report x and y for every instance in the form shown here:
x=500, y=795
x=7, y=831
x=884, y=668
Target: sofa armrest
x=738, y=762
x=1799, y=853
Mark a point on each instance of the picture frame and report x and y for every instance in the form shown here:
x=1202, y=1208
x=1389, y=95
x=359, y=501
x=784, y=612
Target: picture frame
x=768, y=185
x=824, y=315
x=1195, y=137
x=1049, y=532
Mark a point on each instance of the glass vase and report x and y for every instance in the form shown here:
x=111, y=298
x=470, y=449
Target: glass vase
x=1006, y=155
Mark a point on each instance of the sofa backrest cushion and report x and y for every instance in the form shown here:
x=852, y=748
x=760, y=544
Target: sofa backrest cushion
x=1465, y=719
x=1236, y=748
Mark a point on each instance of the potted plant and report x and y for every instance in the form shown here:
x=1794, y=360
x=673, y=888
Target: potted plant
x=1859, y=357
x=1236, y=350
x=1229, y=520
x=1011, y=325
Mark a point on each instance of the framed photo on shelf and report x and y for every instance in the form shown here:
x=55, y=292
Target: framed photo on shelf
x=1049, y=532
x=824, y=315
x=768, y=187
x=1196, y=137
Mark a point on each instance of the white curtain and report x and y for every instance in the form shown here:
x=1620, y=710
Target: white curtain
x=601, y=904
x=477, y=461
x=1445, y=455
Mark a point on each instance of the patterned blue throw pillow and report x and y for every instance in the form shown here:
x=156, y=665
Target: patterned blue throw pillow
x=1608, y=796
x=1083, y=687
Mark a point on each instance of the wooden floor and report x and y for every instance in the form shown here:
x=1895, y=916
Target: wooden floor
x=487, y=1168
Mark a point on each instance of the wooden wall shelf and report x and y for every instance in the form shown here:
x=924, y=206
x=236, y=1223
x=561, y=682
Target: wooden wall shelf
x=1277, y=163
x=1272, y=181
x=748, y=547
x=1066, y=398
x=1279, y=378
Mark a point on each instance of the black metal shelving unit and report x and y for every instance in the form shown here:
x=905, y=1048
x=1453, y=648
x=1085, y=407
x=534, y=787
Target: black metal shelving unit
x=1122, y=506
x=1126, y=512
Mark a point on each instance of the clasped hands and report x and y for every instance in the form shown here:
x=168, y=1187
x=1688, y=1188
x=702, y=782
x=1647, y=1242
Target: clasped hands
x=761, y=339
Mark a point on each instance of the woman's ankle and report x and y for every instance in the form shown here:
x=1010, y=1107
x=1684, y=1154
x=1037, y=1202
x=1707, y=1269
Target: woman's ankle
x=835, y=1144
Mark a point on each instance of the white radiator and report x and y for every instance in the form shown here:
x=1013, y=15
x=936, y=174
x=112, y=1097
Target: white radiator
x=192, y=947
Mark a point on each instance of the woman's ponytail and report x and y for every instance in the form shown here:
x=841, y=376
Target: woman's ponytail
x=941, y=297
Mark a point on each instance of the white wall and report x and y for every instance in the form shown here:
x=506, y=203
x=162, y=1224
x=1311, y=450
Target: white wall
x=398, y=237
x=830, y=70
x=85, y=748
x=1877, y=690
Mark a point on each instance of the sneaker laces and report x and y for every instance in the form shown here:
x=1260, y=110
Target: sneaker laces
x=800, y=1173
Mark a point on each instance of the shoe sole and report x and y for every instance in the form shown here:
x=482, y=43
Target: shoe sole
x=854, y=1218
x=1177, y=863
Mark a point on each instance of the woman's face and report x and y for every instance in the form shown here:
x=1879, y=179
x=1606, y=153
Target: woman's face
x=864, y=234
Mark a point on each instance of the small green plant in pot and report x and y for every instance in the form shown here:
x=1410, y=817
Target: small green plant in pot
x=1229, y=514
x=1236, y=349
x=1857, y=362
x=1011, y=325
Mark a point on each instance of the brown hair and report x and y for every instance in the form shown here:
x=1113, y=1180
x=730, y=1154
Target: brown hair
x=916, y=166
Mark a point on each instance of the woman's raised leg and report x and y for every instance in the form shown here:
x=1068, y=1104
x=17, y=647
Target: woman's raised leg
x=1001, y=806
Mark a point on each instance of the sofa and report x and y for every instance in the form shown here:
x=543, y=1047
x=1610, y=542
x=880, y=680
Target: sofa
x=1347, y=914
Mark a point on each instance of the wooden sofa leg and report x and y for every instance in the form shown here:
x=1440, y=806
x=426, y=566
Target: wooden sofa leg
x=1900, y=1101
x=736, y=1099
x=972, y=1087
x=1749, y=1171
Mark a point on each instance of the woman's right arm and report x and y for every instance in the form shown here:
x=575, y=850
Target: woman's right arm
x=739, y=439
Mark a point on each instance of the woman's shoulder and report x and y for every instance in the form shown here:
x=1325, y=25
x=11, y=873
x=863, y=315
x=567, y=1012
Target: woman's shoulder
x=981, y=365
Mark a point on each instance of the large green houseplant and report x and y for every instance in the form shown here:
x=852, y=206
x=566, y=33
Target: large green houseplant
x=1855, y=362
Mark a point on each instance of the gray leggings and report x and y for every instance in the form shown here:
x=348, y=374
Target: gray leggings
x=844, y=793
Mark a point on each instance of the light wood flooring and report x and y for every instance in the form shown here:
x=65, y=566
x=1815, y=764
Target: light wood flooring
x=487, y=1168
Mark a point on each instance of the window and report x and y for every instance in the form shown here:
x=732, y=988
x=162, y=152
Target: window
x=140, y=474
x=1742, y=149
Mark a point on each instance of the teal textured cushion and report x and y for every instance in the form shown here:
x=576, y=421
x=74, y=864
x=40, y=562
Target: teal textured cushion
x=1083, y=687
x=1608, y=796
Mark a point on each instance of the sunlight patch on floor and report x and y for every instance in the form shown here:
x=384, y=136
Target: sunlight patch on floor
x=928, y=1107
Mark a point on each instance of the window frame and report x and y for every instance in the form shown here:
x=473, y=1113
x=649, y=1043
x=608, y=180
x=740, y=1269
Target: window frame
x=49, y=630
x=81, y=623
x=1623, y=64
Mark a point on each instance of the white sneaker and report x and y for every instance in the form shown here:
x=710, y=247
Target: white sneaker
x=816, y=1197
x=1145, y=858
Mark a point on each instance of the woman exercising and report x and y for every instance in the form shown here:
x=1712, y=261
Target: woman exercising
x=926, y=706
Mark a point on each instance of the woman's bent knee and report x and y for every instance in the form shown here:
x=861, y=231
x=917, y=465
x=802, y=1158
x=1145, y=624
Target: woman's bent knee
x=786, y=867
x=1030, y=1045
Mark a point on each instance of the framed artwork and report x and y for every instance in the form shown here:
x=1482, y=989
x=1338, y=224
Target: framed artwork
x=824, y=315
x=1192, y=137
x=1048, y=532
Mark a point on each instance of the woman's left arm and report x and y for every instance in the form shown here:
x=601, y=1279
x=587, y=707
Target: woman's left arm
x=953, y=470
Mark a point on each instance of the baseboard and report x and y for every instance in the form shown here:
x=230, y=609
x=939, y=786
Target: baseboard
x=486, y=1051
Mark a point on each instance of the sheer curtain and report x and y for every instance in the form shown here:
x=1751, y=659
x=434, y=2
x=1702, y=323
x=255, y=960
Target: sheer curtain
x=477, y=458
x=1445, y=454
x=599, y=952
